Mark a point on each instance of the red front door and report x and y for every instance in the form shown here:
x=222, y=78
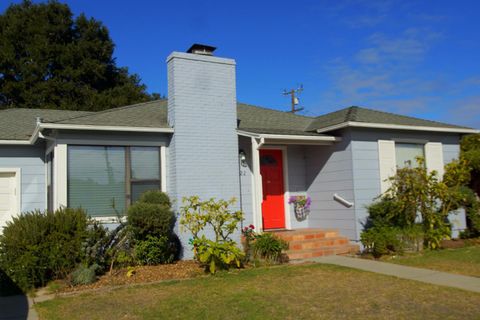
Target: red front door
x=273, y=205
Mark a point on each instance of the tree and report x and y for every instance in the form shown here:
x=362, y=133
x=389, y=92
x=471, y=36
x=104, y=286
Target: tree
x=51, y=60
x=470, y=153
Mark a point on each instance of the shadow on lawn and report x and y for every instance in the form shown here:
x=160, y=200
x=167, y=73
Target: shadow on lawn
x=13, y=302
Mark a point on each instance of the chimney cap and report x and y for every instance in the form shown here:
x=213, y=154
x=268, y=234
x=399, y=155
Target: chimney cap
x=203, y=49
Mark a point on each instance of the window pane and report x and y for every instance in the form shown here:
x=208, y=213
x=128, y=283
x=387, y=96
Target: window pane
x=406, y=153
x=140, y=187
x=96, y=178
x=145, y=163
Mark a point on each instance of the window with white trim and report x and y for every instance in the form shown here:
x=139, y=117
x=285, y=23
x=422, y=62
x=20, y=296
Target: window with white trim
x=103, y=177
x=406, y=154
x=396, y=154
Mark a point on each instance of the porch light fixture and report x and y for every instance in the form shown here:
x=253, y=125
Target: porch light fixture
x=242, y=157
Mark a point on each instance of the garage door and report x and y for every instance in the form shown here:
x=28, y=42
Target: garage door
x=8, y=197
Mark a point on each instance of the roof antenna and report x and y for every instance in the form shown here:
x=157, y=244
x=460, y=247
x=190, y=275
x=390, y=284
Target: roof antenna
x=294, y=95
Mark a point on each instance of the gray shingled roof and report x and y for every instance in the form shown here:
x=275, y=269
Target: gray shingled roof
x=151, y=114
x=19, y=124
x=358, y=114
x=261, y=120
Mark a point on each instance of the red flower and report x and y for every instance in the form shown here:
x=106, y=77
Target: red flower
x=251, y=226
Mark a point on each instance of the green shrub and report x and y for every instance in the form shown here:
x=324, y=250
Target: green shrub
x=382, y=240
x=269, y=247
x=155, y=250
x=84, y=274
x=150, y=219
x=155, y=197
x=38, y=247
x=218, y=255
x=387, y=211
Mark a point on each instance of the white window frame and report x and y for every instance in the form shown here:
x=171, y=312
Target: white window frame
x=60, y=166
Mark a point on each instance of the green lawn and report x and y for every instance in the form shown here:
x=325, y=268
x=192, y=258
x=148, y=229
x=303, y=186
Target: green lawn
x=461, y=261
x=287, y=292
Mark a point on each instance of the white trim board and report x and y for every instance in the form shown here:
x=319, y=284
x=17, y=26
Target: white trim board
x=395, y=127
x=40, y=126
x=293, y=138
x=18, y=188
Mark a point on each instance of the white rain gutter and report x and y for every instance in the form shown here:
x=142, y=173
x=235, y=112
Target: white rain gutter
x=395, y=127
x=41, y=125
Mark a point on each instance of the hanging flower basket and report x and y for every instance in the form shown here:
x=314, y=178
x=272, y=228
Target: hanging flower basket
x=301, y=205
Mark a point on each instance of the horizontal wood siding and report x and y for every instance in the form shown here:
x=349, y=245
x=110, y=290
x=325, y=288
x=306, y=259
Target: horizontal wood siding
x=329, y=171
x=366, y=177
x=30, y=159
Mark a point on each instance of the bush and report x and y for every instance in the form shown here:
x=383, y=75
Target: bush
x=155, y=250
x=38, y=247
x=155, y=197
x=84, y=274
x=382, y=240
x=218, y=253
x=269, y=247
x=146, y=219
x=388, y=211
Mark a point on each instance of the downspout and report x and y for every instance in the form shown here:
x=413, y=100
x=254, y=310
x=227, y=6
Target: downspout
x=240, y=187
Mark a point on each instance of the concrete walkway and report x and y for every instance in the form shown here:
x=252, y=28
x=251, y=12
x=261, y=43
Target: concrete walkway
x=17, y=307
x=404, y=272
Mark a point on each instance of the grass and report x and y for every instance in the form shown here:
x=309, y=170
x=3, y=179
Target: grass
x=287, y=292
x=464, y=261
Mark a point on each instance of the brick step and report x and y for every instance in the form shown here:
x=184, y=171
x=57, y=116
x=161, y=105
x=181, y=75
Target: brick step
x=319, y=252
x=318, y=243
x=306, y=234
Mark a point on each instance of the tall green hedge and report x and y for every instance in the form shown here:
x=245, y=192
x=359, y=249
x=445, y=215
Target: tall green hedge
x=37, y=247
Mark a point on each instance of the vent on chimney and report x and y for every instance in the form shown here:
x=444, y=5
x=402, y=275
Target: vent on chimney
x=201, y=49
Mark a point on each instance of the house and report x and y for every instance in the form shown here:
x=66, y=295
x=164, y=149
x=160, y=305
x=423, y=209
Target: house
x=201, y=141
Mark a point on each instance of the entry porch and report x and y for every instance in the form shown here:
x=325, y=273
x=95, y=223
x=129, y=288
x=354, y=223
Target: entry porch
x=278, y=170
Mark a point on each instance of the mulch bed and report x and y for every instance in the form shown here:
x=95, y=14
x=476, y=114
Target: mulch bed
x=143, y=274
x=459, y=243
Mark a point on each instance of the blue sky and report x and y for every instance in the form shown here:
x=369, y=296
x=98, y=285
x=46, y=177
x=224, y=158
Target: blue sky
x=419, y=58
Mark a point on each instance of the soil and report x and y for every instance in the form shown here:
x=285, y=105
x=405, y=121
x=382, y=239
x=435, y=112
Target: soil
x=459, y=243
x=140, y=275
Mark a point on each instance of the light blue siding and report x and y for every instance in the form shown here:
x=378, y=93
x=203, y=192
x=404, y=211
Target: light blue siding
x=329, y=171
x=366, y=177
x=30, y=159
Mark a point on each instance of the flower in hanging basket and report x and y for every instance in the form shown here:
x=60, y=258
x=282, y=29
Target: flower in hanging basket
x=301, y=201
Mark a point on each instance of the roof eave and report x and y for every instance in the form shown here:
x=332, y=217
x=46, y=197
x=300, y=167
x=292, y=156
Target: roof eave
x=104, y=128
x=290, y=139
x=395, y=127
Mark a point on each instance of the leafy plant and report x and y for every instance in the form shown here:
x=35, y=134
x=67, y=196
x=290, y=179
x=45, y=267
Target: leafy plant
x=269, y=247
x=84, y=274
x=218, y=253
x=146, y=219
x=38, y=247
x=383, y=239
x=154, y=250
x=417, y=191
x=197, y=214
x=156, y=197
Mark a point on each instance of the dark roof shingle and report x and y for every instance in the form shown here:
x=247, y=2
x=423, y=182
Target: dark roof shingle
x=358, y=114
x=19, y=124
